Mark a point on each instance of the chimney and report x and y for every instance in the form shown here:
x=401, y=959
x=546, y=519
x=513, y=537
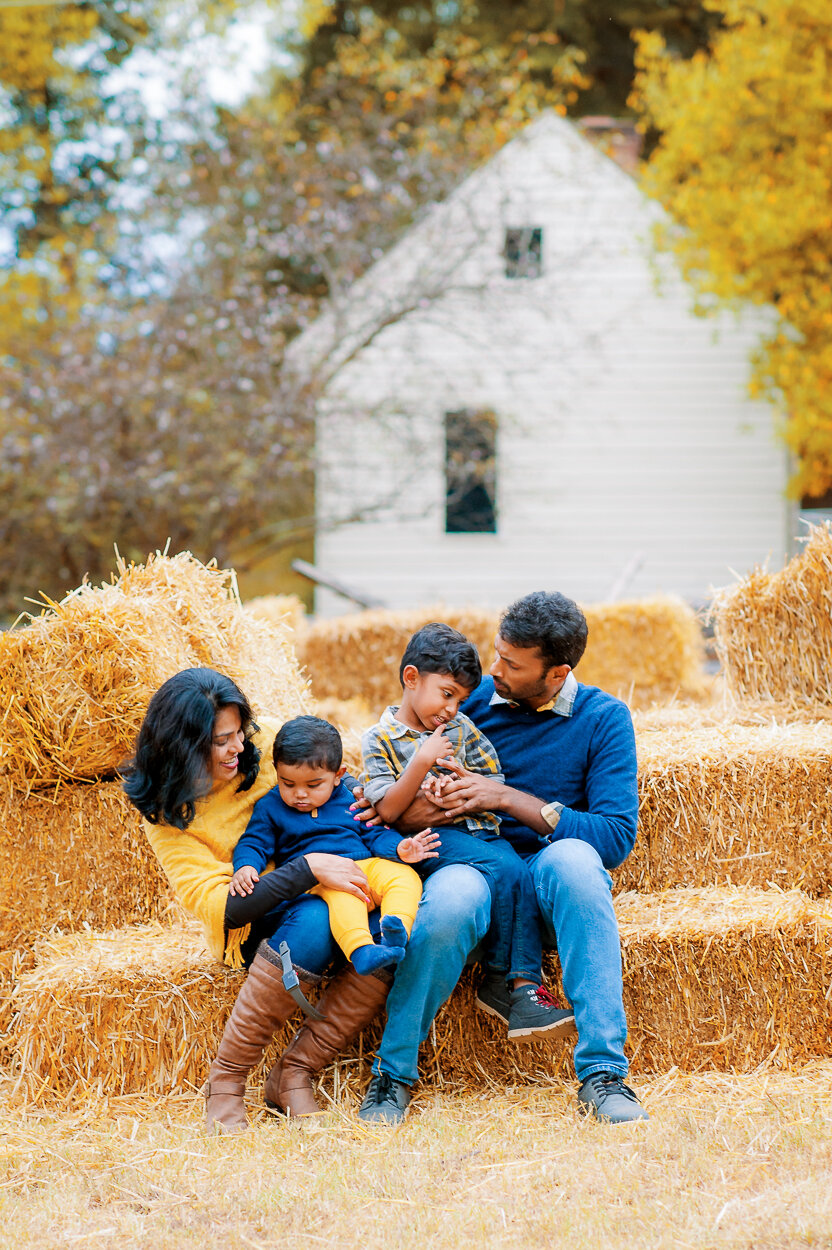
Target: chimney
x=616, y=137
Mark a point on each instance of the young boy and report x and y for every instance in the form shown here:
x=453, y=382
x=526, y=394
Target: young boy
x=439, y=669
x=309, y=811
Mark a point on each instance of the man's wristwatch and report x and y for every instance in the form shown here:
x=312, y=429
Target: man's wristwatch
x=551, y=814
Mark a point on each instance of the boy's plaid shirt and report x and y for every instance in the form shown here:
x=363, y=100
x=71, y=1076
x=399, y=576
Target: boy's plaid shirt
x=389, y=747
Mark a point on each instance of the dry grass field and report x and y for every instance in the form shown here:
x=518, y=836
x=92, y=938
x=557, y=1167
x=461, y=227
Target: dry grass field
x=724, y=1162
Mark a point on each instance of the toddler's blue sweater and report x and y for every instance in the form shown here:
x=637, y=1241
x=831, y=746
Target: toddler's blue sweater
x=279, y=832
x=586, y=761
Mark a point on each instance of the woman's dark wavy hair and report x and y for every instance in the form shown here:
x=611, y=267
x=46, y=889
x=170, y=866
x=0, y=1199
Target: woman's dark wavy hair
x=169, y=771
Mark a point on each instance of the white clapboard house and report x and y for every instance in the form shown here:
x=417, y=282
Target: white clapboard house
x=518, y=395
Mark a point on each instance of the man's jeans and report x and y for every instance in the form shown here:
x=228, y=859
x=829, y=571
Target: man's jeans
x=574, y=893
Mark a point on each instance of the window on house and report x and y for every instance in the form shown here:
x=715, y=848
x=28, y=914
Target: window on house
x=470, y=472
x=523, y=252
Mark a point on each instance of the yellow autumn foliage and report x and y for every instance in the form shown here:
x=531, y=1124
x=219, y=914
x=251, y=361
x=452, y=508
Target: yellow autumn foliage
x=744, y=164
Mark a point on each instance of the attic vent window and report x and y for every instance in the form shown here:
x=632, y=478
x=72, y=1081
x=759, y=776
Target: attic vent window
x=523, y=252
x=470, y=472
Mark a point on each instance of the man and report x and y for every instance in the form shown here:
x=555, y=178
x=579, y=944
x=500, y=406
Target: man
x=569, y=806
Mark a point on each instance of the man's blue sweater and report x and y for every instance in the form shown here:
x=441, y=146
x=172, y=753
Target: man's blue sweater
x=586, y=761
x=279, y=832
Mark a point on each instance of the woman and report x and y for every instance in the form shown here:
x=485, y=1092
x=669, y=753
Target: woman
x=201, y=764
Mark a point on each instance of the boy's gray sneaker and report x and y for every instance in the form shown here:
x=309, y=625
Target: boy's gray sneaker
x=605, y=1096
x=535, y=1014
x=493, y=997
x=385, y=1101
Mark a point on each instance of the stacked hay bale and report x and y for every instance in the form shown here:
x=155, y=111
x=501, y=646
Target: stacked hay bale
x=75, y=681
x=720, y=978
x=357, y=656
x=643, y=651
x=773, y=631
x=722, y=801
x=74, y=686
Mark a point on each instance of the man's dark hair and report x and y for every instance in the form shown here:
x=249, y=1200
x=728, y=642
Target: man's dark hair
x=437, y=648
x=309, y=740
x=549, y=621
x=171, y=767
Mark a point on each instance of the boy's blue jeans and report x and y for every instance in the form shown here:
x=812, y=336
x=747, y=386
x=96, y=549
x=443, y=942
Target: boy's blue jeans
x=512, y=946
x=574, y=897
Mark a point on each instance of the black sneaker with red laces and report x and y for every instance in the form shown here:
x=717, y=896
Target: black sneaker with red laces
x=534, y=1014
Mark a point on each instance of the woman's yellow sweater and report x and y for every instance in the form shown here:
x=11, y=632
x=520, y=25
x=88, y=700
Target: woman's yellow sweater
x=197, y=860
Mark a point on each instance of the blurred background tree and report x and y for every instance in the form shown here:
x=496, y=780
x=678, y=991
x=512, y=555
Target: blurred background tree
x=158, y=264
x=744, y=166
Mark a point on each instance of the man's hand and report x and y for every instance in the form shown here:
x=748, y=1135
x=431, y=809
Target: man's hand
x=338, y=873
x=367, y=814
x=466, y=791
x=243, y=881
x=421, y=846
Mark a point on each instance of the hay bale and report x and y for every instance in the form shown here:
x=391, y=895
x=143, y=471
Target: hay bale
x=727, y=802
x=137, y=1009
x=72, y=858
x=726, y=978
x=773, y=631
x=642, y=650
x=645, y=650
x=12, y=964
x=357, y=656
x=75, y=682
x=284, y=610
x=142, y=1010
x=719, y=978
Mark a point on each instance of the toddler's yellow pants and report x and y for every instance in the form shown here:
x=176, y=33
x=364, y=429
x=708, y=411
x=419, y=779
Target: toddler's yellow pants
x=395, y=888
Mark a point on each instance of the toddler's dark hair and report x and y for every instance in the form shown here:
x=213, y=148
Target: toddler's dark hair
x=308, y=740
x=437, y=648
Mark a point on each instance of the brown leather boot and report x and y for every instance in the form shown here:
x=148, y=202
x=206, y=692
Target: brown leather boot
x=261, y=1007
x=349, y=1002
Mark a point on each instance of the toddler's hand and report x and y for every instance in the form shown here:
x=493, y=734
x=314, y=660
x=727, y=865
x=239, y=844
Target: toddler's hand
x=243, y=881
x=434, y=784
x=421, y=846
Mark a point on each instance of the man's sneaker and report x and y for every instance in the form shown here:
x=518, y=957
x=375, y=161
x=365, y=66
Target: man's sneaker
x=386, y=1100
x=534, y=1013
x=605, y=1096
x=493, y=997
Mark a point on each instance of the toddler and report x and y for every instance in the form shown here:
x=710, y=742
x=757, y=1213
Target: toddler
x=308, y=811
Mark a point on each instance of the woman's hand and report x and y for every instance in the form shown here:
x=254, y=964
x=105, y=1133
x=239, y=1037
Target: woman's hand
x=424, y=845
x=367, y=814
x=338, y=873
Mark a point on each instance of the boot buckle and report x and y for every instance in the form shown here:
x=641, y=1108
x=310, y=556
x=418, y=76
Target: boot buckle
x=291, y=984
